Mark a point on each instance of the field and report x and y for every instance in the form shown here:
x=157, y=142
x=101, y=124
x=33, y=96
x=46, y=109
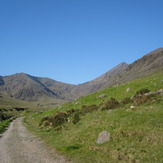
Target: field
x=136, y=132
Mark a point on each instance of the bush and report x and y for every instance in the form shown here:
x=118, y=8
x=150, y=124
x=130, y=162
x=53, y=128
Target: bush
x=43, y=120
x=88, y=109
x=70, y=112
x=111, y=104
x=141, y=99
x=125, y=101
x=58, y=119
x=4, y=116
x=76, y=118
x=142, y=92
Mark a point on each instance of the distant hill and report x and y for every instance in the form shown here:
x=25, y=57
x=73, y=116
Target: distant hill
x=29, y=88
x=26, y=87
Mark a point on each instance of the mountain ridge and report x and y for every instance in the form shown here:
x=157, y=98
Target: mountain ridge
x=30, y=88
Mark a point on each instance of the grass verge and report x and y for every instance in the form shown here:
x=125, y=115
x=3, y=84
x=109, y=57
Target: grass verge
x=4, y=125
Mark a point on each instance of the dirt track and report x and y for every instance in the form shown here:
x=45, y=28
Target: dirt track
x=17, y=145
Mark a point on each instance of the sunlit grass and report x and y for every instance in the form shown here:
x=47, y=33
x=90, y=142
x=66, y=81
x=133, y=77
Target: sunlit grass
x=4, y=125
x=136, y=134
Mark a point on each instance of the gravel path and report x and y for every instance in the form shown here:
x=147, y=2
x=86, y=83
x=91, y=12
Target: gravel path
x=17, y=145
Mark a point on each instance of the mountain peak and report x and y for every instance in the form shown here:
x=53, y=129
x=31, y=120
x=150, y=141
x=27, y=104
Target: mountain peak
x=121, y=65
x=18, y=75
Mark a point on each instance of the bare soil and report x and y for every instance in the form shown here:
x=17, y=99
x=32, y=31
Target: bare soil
x=18, y=145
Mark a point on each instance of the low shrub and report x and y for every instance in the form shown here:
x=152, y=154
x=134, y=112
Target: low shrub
x=76, y=118
x=70, y=112
x=140, y=98
x=142, y=92
x=110, y=104
x=89, y=109
x=43, y=120
x=58, y=119
x=126, y=100
x=137, y=100
x=4, y=116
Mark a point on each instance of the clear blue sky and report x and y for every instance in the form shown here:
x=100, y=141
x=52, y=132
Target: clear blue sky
x=75, y=41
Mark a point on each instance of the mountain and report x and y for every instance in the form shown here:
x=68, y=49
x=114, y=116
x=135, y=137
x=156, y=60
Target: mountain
x=149, y=63
x=26, y=87
x=98, y=83
x=124, y=72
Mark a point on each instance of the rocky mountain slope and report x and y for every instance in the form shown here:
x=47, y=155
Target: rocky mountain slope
x=151, y=62
x=26, y=87
x=98, y=83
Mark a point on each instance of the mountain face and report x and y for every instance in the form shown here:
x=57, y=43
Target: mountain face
x=150, y=62
x=98, y=83
x=30, y=88
x=25, y=87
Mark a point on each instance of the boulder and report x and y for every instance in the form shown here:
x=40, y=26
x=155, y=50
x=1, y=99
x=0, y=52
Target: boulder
x=160, y=91
x=102, y=96
x=77, y=103
x=132, y=107
x=151, y=93
x=128, y=89
x=109, y=111
x=103, y=137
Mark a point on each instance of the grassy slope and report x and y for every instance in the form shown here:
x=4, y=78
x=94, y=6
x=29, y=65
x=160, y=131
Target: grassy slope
x=136, y=135
x=7, y=104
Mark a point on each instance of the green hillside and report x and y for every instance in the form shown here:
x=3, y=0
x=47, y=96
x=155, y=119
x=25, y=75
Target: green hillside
x=136, y=133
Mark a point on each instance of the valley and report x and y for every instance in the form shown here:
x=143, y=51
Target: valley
x=126, y=102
